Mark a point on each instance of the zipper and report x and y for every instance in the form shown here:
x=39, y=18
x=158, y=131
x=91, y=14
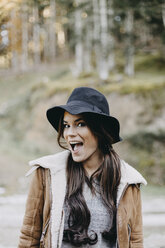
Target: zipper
x=129, y=232
x=126, y=186
x=44, y=232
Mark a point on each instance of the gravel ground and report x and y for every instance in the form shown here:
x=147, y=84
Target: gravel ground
x=154, y=222
x=12, y=211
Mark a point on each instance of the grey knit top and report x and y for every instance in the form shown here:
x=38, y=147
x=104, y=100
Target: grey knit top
x=100, y=218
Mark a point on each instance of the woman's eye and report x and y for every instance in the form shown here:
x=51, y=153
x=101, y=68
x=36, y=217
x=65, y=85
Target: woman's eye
x=65, y=125
x=81, y=124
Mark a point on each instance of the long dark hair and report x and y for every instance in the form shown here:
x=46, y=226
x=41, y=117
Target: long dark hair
x=108, y=175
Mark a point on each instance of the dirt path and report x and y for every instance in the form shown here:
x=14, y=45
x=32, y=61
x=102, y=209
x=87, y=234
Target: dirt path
x=154, y=221
x=12, y=210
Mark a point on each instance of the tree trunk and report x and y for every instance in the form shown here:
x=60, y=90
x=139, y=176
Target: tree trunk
x=163, y=17
x=79, y=42
x=163, y=13
x=46, y=41
x=24, y=17
x=103, y=68
x=129, y=64
x=52, y=31
x=111, y=56
x=87, y=50
x=14, y=57
x=36, y=35
x=96, y=32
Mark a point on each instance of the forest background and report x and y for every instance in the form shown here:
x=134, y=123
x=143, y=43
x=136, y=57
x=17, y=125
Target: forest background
x=49, y=47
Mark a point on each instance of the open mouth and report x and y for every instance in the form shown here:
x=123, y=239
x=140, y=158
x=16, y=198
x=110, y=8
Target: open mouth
x=75, y=145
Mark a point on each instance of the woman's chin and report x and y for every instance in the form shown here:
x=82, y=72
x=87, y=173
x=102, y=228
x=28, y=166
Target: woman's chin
x=77, y=159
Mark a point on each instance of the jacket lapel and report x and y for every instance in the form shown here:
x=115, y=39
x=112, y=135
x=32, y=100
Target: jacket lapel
x=129, y=175
x=57, y=165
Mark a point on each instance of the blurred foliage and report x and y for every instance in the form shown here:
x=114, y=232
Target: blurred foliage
x=26, y=28
x=146, y=140
x=147, y=154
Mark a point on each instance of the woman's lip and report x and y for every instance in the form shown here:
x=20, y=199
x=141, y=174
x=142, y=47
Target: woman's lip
x=72, y=143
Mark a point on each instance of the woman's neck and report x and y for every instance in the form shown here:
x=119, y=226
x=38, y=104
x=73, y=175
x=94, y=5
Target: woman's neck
x=92, y=165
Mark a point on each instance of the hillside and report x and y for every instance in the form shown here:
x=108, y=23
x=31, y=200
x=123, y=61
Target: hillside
x=25, y=133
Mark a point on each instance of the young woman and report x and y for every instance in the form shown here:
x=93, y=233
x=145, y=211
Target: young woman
x=85, y=196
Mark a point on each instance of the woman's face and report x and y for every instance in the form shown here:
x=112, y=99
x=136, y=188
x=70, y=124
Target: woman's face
x=80, y=140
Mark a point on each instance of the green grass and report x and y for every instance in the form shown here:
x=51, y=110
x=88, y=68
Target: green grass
x=137, y=86
x=149, y=76
x=149, y=62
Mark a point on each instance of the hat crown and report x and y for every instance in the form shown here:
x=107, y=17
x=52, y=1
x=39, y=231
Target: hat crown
x=90, y=96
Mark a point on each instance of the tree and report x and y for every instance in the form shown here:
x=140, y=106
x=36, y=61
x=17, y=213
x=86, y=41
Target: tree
x=103, y=64
x=163, y=13
x=129, y=47
x=91, y=31
x=36, y=33
x=52, y=31
x=79, y=42
x=24, y=19
x=96, y=32
x=14, y=40
x=111, y=57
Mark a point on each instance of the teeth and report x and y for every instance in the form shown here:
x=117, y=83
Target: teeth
x=73, y=143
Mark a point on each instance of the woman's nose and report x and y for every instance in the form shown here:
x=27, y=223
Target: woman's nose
x=72, y=131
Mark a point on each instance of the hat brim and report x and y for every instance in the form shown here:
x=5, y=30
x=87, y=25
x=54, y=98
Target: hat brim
x=111, y=124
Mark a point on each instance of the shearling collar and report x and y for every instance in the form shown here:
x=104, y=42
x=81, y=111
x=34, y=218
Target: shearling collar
x=58, y=161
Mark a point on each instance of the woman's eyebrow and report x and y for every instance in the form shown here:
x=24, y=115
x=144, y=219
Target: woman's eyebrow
x=80, y=119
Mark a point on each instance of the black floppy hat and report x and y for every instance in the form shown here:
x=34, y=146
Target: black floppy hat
x=86, y=100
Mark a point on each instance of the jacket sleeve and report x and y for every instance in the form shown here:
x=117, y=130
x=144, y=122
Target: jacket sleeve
x=33, y=219
x=137, y=224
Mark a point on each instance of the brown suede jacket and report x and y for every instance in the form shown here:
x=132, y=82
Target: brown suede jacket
x=43, y=222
